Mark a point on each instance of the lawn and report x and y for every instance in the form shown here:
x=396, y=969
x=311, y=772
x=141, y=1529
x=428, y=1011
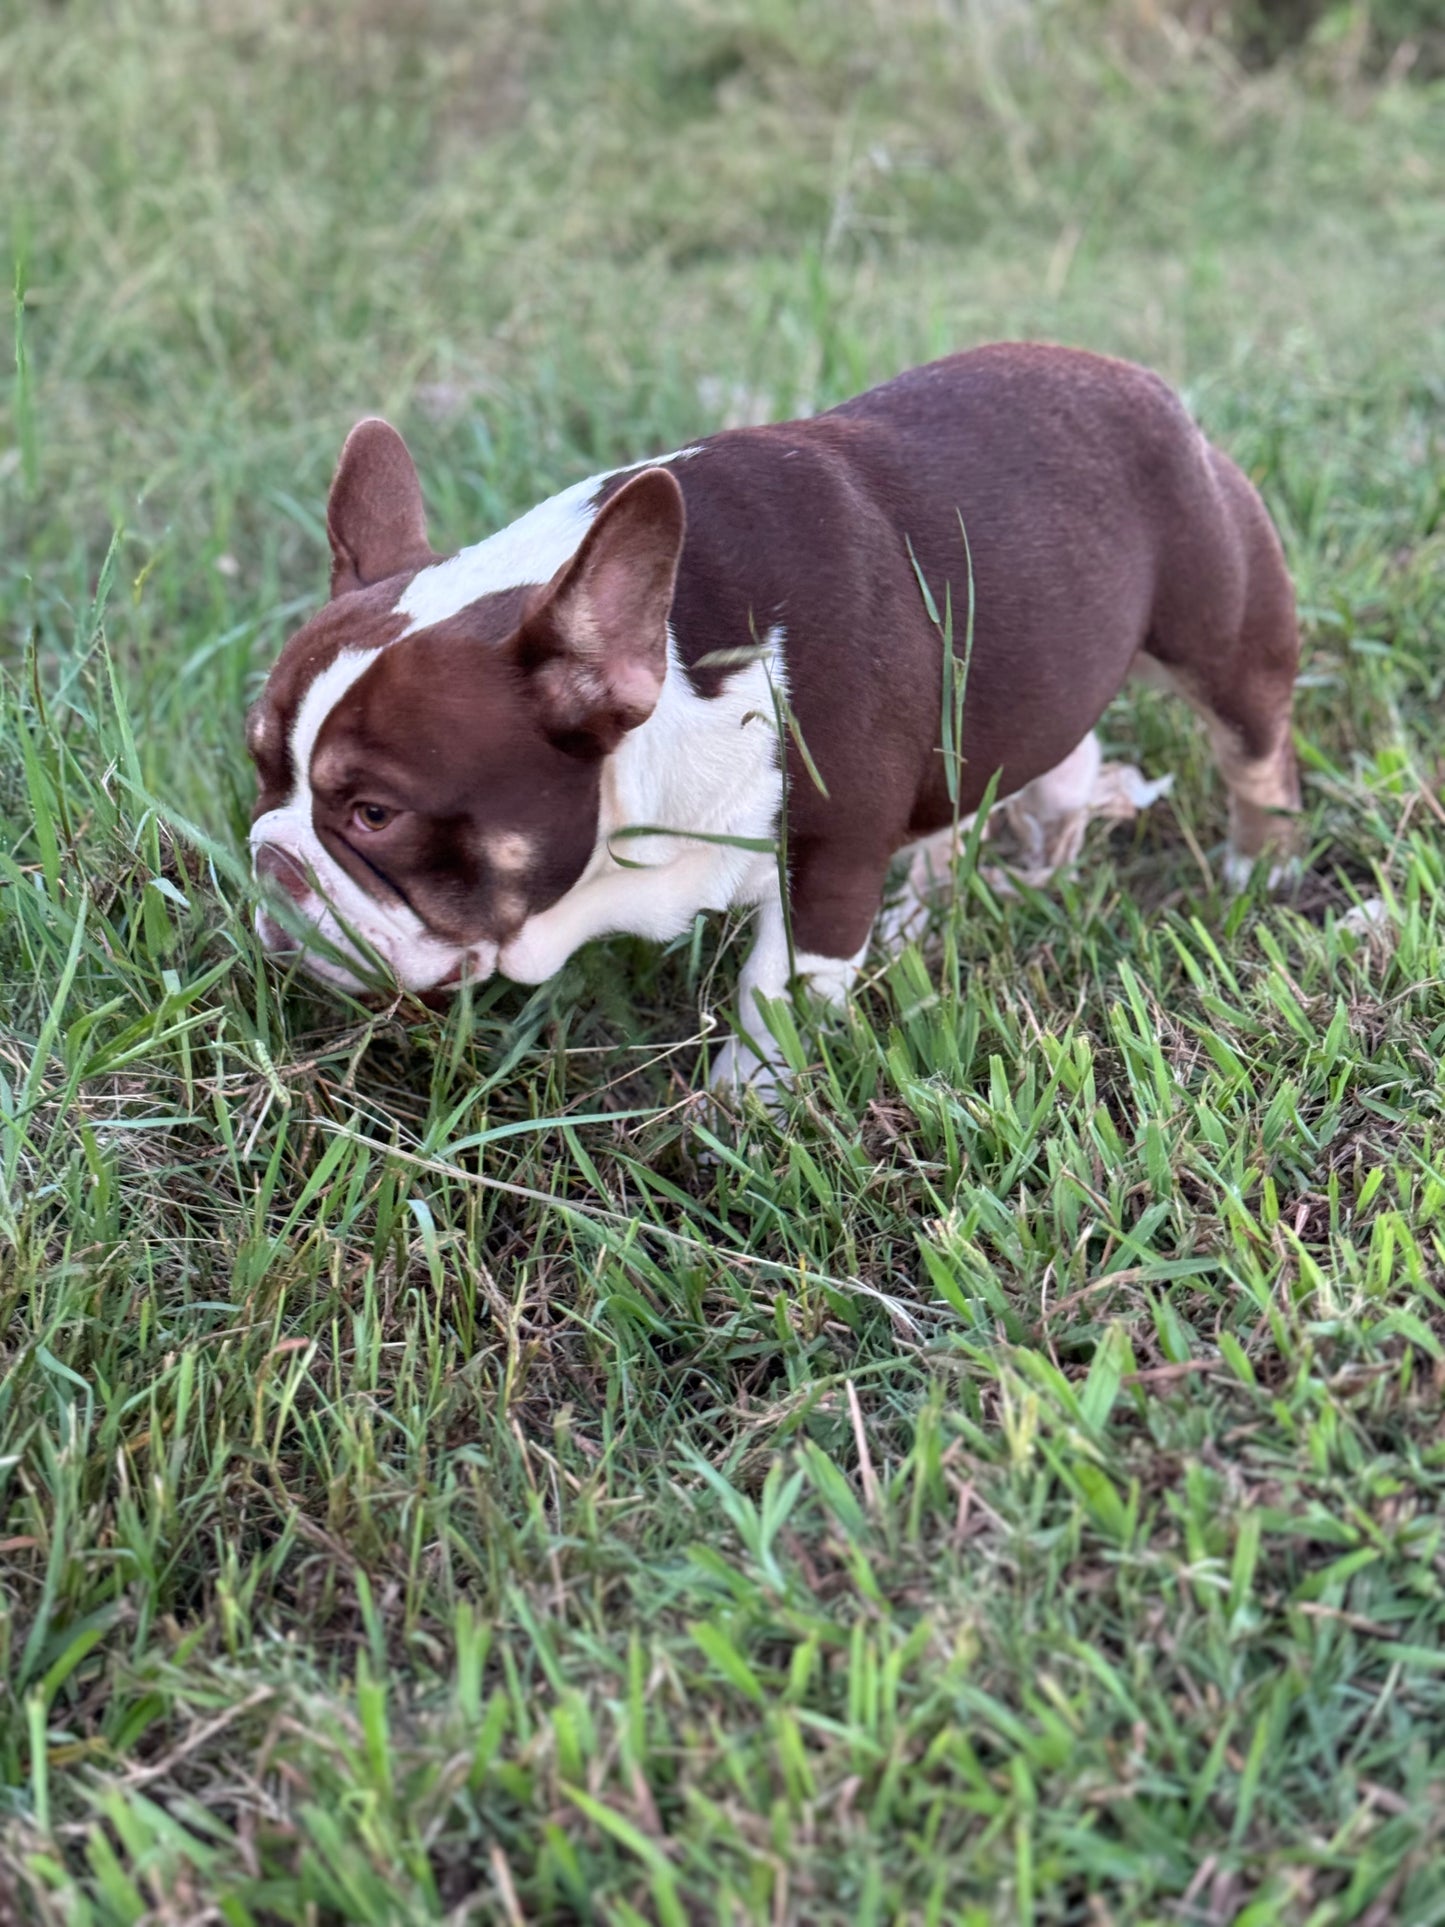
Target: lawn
x=443, y=1473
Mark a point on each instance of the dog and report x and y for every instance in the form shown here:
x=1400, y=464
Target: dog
x=605, y=717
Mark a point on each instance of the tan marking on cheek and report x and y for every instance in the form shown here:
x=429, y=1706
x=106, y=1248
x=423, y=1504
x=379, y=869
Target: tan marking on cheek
x=510, y=852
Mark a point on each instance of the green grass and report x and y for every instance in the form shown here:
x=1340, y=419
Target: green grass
x=429, y=1486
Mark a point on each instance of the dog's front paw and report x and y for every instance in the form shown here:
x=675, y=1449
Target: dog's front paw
x=533, y=955
x=737, y=1069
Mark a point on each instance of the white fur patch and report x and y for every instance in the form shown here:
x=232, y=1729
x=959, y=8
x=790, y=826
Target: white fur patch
x=531, y=549
x=698, y=764
x=326, y=691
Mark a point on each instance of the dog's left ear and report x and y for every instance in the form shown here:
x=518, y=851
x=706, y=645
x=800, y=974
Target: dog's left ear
x=374, y=515
x=595, y=645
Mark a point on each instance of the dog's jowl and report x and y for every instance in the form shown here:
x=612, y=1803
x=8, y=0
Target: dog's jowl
x=448, y=751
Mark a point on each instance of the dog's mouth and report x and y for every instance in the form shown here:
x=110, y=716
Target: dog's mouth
x=471, y=966
x=286, y=948
x=420, y=963
x=276, y=939
x=441, y=995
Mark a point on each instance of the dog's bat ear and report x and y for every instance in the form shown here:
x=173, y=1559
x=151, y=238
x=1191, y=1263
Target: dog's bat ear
x=374, y=515
x=596, y=644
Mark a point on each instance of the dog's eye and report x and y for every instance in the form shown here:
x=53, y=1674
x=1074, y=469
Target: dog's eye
x=371, y=816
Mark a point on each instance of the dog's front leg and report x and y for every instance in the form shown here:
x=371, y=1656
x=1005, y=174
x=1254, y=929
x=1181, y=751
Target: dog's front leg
x=658, y=903
x=832, y=906
x=546, y=940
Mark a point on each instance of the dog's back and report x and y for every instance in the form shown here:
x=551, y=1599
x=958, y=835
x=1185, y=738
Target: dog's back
x=1104, y=535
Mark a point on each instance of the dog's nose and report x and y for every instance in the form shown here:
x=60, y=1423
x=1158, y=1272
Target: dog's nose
x=277, y=866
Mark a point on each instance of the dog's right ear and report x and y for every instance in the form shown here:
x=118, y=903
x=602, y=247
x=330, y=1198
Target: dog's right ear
x=595, y=644
x=374, y=515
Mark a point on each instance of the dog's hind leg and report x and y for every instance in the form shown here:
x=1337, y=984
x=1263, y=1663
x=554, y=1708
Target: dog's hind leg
x=1047, y=819
x=1229, y=645
x=1049, y=815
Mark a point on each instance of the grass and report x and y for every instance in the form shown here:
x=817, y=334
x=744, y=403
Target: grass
x=431, y=1489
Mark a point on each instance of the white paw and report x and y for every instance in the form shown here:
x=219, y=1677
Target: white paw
x=1370, y=918
x=533, y=955
x=1237, y=869
x=1046, y=845
x=737, y=1068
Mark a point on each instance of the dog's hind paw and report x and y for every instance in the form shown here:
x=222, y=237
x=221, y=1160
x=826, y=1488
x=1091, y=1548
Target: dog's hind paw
x=1237, y=869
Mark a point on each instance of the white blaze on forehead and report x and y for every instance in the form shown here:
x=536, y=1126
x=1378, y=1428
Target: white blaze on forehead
x=321, y=698
x=531, y=549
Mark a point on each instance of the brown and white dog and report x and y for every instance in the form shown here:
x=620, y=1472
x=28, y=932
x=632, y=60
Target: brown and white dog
x=447, y=751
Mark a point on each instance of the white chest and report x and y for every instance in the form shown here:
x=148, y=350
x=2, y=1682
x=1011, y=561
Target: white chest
x=702, y=781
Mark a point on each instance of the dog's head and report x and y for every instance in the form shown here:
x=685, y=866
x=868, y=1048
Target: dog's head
x=429, y=747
